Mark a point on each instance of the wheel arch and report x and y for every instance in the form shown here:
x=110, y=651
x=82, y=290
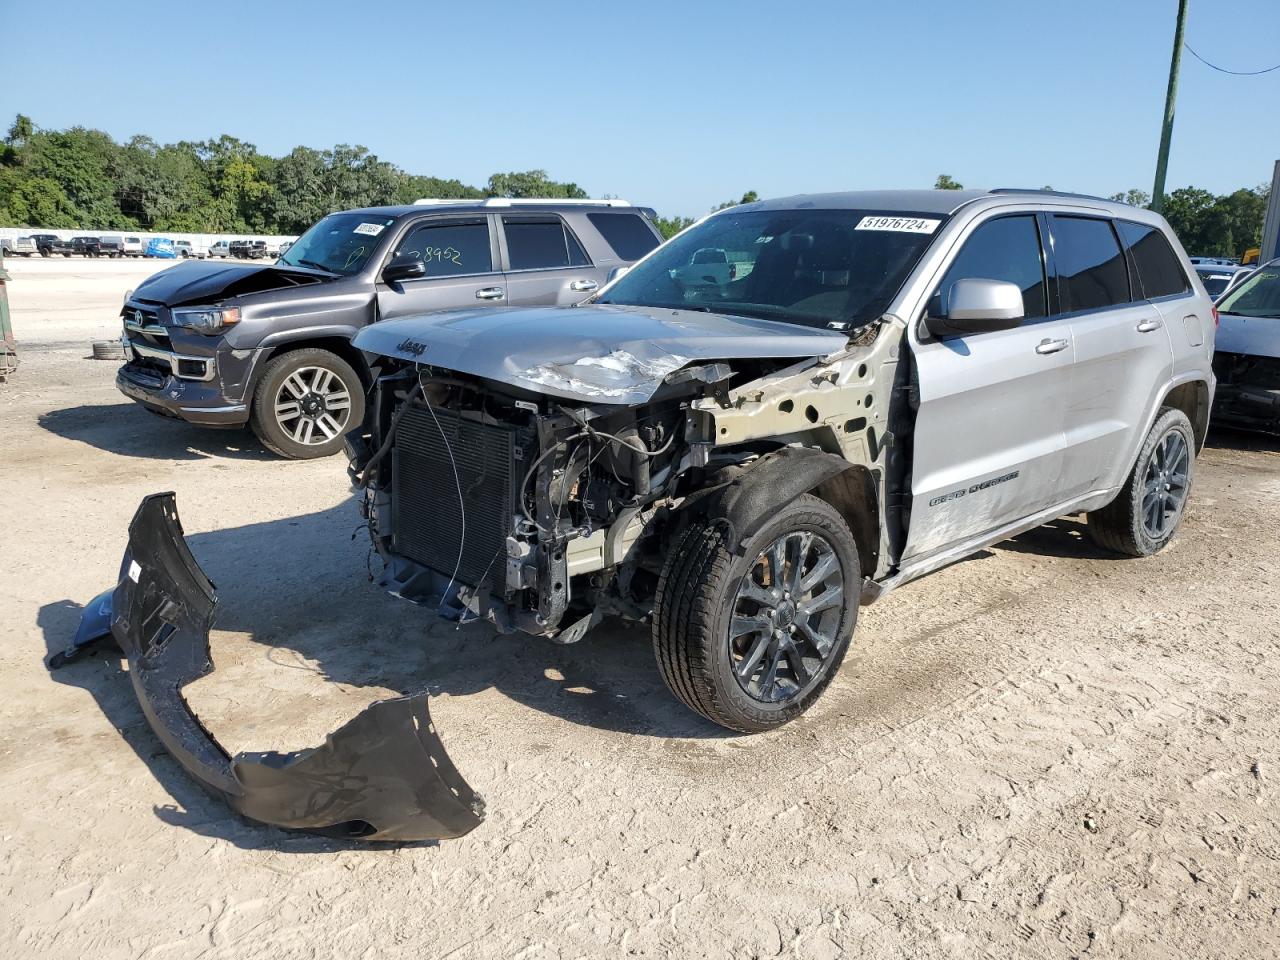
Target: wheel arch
x=1192, y=397
x=335, y=343
x=748, y=497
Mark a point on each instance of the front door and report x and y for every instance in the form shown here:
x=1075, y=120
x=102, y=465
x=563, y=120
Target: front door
x=988, y=440
x=546, y=265
x=462, y=269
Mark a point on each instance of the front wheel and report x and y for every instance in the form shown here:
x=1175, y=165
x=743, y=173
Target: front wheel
x=751, y=639
x=1145, y=515
x=305, y=402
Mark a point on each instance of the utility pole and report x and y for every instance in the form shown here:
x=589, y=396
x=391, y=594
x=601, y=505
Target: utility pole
x=1166, y=133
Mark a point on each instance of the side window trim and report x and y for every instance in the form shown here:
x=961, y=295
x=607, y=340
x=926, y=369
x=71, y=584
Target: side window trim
x=441, y=221
x=532, y=217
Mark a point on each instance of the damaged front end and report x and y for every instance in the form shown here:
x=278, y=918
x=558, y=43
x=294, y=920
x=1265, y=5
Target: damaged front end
x=382, y=776
x=541, y=490
x=1248, y=391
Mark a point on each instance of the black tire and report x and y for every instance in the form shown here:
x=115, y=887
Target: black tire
x=280, y=437
x=695, y=605
x=44, y=251
x=1122, y=525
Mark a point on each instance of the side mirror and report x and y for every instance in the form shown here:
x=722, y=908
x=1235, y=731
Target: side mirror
x=976, y=306
x=403, y=267
x=615, y=273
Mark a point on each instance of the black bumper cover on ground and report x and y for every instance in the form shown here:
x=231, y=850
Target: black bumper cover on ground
x=383, y=776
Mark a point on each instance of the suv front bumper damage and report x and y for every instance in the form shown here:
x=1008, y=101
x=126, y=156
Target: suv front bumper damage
x=383, y=776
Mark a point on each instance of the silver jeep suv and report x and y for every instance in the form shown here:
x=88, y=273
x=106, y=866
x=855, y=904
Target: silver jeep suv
x=882, y=383
x=879, y=384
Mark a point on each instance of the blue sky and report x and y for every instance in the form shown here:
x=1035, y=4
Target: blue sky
x=675, y=105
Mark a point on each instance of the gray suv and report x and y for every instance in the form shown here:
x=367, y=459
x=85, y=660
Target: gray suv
x=881, y=384
x=225, y=344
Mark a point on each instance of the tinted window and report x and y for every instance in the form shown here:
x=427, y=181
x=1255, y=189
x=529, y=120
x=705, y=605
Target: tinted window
x=541, y=244
x=450, y=249
x=1214, y=283
x=628, y=233
x=1091, y=268
x=1159, y=273
x=836, y=269
x=1006, y=249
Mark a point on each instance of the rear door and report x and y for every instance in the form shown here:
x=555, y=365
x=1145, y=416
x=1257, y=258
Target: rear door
x=988, y=441
x=545, y=263
x=461, y=257
x=1123, y=354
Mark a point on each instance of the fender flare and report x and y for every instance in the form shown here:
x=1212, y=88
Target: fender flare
x=750, y=495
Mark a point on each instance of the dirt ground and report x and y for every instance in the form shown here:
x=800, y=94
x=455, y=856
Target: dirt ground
x=1040, y=752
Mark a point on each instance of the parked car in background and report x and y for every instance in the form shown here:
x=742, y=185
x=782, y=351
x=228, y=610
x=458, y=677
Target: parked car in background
x=186, y=250
x=49, y=243
x=1247, y=352
x=284, y=248
x=132, y=247
x=18, y=247
x=1212, y=261
x=85, y=246
x=90, y=246
x=162, y=248
x=271, y=343
x=220, y=249
x=1219, y=278
x=706, y=267
x=248, y=249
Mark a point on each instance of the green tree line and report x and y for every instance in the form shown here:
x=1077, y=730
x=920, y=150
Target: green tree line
x=83, y=179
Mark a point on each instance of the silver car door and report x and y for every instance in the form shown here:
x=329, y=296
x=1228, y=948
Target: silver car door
x=988, y=441
x=462, y=268
x=1123, y=355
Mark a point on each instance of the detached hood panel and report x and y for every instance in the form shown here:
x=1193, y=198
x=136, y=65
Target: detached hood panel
x=204, y=282
x=594, y=354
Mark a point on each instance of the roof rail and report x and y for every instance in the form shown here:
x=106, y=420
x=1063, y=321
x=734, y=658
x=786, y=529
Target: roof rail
x=1049, y=193
x=517, y=201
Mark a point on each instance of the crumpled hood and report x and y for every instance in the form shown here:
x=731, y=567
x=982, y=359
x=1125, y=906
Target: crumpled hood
x=602, y=353
x=202, y=281
x=1255, y=336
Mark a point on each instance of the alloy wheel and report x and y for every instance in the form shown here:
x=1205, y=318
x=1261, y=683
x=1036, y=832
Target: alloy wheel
x=786, y=616
x=313, y=406
x=1164, y=491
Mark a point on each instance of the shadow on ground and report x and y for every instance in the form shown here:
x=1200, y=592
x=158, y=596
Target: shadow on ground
x=1225, y=438
x=298, y=586
x=130, y=430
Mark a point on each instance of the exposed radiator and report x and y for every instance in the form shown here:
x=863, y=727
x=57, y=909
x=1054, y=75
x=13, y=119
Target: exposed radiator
x=427, y=518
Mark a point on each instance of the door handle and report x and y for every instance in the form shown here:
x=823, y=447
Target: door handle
x=584, y=286
x=1146, y=326
x=1050, y=346
x=491, y=293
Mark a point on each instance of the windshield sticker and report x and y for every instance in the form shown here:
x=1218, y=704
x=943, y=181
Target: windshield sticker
x=898, y=224
x=369, y=229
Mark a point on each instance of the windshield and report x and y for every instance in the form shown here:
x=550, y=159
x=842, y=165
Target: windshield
x=340, y=243
x=822, y=268
x=1259, y=296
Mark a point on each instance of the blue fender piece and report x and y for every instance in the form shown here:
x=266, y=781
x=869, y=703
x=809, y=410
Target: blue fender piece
x=93, y=632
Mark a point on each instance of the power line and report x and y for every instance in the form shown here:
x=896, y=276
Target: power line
x=1234, y=73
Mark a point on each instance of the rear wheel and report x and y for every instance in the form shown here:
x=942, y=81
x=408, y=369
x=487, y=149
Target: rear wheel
x=1146, y=513
x=304, y=403
x=751, y=639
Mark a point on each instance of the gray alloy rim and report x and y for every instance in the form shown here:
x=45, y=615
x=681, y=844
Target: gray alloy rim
x=1165, y=485
x=313, y=406
x=785, y=617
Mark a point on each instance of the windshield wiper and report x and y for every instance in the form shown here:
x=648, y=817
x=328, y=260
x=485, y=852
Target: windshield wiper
x=313, y=265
